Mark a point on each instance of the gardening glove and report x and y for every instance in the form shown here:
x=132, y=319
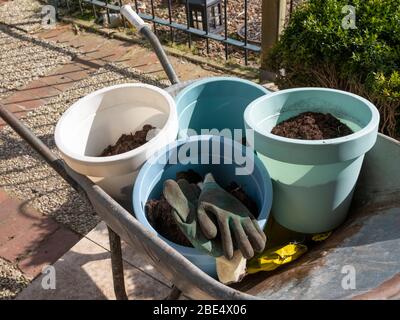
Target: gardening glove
x=183, y=197
x=232, y=218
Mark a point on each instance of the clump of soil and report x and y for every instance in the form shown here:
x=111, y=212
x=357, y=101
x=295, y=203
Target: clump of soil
x=159, y=212
x=234, y=189
x=128, y=142
x=312, y=126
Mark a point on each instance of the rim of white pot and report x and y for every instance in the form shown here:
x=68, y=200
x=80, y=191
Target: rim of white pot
x=93, y=160
x=368, y=130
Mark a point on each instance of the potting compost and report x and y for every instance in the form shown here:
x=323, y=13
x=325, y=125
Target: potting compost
x=128, y=142
x=159, y=213
x=312, y=126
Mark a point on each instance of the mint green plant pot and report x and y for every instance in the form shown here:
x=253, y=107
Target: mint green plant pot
x=313, y=181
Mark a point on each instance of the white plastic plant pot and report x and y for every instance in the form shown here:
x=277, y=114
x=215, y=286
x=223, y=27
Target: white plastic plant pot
x=100, y=118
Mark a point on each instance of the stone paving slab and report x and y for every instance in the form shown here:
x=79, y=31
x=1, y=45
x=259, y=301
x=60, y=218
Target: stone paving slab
x=99, y=235
x=29, y=239
x=84, y=273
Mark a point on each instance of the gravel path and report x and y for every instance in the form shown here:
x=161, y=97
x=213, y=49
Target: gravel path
x=23, y=57
x=24, y=14
x=25, y=176
x=12, y=281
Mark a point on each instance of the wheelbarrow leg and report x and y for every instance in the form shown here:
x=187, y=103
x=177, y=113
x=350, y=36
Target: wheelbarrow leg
x=174, y=294
x=117, y=265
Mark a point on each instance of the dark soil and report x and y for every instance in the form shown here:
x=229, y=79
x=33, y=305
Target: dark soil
x=128, y=142
x=312, y=126
x=159, y=212
x=190, y=176
x=234, y=189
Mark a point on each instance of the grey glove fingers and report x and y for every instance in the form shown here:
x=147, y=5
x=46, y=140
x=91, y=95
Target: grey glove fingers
x=257, y=227
x=176, y=199
x=207, y=226
x=226, y=238
x=241, y=239
x=256, y=238
x=196, y=191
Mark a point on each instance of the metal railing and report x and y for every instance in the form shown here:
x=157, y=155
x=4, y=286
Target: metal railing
x=244, y=44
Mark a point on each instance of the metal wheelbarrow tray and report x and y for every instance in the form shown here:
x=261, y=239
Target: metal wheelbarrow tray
x=366, y=247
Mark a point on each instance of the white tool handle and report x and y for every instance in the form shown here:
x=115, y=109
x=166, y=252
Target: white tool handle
x=132, y=17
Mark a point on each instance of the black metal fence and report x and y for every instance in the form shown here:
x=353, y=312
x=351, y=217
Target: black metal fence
x=186, y=23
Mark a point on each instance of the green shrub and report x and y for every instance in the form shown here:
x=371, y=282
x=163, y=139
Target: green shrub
x=315, y=50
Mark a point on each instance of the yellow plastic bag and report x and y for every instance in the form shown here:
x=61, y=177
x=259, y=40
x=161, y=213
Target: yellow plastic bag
x=283, y=246
x=272, y=258
x=321, y=236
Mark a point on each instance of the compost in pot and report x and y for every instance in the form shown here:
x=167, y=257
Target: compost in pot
x=128, y=142
x=159, y=212
x=312, y=126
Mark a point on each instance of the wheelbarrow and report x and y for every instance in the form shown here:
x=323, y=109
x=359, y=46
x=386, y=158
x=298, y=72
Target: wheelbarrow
x=360, y=260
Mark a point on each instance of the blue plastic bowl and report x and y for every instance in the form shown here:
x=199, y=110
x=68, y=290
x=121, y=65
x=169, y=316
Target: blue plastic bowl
x=215, y=103
x=162, y=166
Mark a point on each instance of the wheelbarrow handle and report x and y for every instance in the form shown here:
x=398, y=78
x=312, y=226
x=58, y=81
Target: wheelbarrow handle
x=132, y=17
x=143, y=29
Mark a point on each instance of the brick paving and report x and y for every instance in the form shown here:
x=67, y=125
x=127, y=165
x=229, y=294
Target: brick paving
x=28, y=239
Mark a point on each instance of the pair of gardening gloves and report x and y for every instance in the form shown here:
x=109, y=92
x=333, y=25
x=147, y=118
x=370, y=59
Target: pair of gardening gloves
x=217, y=223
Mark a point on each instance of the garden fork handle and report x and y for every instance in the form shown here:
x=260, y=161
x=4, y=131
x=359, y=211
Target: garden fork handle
x=143, y=29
